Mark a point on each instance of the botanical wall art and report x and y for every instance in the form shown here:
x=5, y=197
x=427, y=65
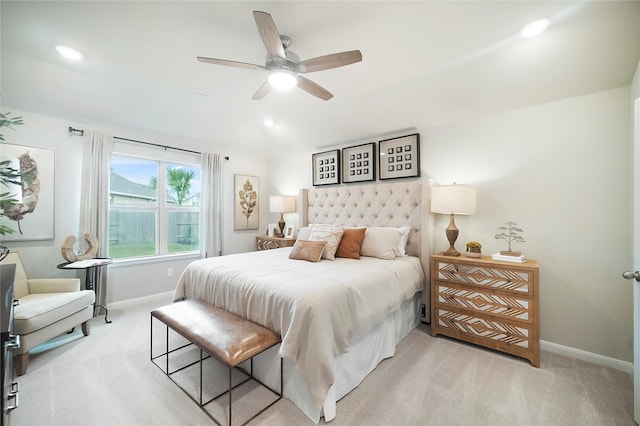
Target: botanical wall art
x=399, y=157
x=358, y=163
x=247, y=191
x=26, y=193
x=326, y=168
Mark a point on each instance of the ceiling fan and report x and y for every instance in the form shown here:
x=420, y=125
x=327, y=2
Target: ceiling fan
x=284, y=66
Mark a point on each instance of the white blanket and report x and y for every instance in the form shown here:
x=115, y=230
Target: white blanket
x=317, y=308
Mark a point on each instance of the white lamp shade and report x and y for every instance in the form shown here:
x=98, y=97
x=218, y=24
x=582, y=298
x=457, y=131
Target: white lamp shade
x=457, y=199
x=282, y=204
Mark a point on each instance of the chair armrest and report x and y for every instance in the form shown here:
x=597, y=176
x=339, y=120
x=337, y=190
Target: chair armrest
x=53, y=285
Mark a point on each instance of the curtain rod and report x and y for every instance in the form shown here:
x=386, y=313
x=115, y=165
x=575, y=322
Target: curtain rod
x=81, y=132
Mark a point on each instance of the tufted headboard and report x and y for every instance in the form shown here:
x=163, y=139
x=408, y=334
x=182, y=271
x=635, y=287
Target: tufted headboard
x=394, y=204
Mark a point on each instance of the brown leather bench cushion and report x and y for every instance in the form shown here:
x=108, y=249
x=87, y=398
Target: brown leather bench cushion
x=228, y=337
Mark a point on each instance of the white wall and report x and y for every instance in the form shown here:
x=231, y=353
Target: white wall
x=561, y=171
x=635, y=84
x=126, y=281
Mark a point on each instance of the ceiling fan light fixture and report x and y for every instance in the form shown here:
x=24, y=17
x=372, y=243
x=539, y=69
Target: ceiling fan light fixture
x=283, y=79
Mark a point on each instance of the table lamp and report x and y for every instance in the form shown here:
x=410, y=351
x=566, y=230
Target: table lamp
x=282, y=204
x=453, y=199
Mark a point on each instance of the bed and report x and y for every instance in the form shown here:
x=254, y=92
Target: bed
x=338, y=318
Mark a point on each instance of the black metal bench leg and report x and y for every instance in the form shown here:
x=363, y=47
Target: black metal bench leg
x=200, y=377
x=230, y=389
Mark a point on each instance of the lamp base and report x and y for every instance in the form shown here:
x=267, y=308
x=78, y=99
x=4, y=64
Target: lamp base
x=452, y=236
x=281, y=224
x=452, y=252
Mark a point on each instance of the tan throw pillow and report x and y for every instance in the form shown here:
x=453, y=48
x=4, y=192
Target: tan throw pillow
x=350, y=243
x=332, y=234
x=311, y=251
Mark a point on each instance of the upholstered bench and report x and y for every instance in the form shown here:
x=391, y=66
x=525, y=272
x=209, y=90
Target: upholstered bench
x=229, y=338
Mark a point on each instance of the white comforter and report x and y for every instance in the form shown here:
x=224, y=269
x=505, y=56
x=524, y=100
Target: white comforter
x=316, y=307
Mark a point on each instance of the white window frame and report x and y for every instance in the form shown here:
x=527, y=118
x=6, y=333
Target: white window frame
x=163, y=158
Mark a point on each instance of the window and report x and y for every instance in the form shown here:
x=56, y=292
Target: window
x=154, y=207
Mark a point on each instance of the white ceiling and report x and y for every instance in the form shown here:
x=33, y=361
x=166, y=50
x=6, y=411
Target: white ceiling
x=424, y=64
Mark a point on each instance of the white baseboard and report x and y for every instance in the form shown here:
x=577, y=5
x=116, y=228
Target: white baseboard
x=131, y=302
x=602, y=360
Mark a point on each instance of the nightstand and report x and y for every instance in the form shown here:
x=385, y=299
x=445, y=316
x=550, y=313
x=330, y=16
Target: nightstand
x=489, y=303
x=267, y=243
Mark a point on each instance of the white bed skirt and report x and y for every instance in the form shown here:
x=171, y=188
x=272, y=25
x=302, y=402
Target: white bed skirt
x=350, y=368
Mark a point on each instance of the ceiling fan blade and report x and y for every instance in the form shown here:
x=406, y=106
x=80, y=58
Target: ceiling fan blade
x=314, y=88
x=269, y=33
x=262, y=91
x=330, y=61
x=231, y=63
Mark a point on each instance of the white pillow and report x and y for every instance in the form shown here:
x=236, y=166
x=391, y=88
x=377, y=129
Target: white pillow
x=332, y=234
x=304, y=232
x=404, y=238
x=381, y=242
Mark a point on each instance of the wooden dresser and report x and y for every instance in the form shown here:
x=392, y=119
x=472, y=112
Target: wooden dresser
x=267, y=243
x=10, y=342
x=489, y=303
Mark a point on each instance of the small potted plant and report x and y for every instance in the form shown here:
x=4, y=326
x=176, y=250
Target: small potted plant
x=510, y=233
x=474, y=249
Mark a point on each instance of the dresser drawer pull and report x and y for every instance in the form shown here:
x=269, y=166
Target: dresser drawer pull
x=13, y=395
x=13, y=342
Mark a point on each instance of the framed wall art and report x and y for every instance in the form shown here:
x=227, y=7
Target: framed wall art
x=399, y=157
x=358, y=163
x=326, y=167
x=26, y=193
x=246, y=196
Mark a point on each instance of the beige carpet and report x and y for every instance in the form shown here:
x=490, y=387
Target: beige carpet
x=108, y=379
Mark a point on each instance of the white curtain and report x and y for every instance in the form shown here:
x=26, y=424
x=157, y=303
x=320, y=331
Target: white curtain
x=211, y=217
x=94, y=200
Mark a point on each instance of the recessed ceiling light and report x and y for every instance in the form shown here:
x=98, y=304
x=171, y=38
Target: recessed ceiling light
x=69, y=53
x=269, y=122
x=534, y=28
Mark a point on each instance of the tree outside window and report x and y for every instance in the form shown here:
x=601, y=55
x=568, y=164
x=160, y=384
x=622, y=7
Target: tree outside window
x=155, y=208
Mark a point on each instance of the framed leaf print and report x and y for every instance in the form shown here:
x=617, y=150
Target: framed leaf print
x=26, y=193
x=246, y=196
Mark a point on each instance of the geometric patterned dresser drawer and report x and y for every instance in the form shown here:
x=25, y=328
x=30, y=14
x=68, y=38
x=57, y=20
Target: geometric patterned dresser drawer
x=501, y=332
x=488, y=303
x=485, y=276
x=504, y=306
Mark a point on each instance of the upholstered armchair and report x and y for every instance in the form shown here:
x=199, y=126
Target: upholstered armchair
x=47, y=308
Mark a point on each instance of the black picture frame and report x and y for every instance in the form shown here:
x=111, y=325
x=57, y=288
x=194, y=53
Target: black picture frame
x=359, y=163
x=326, y=167
x=399, y=157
